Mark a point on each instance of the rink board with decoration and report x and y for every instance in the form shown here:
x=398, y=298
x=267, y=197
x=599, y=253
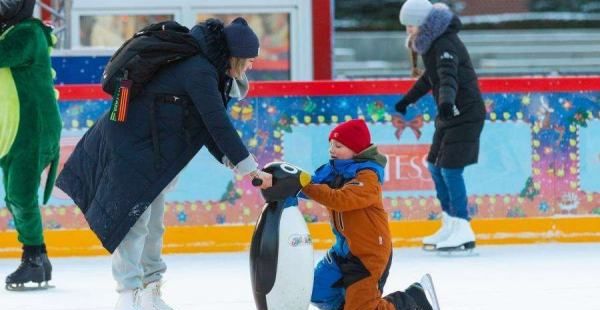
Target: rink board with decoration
x=537, y=178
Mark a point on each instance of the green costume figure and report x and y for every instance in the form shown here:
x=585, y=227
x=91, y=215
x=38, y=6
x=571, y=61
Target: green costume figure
x=29, y=132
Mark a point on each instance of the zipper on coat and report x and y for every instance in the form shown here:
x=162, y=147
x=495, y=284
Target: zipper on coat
x=340, y=220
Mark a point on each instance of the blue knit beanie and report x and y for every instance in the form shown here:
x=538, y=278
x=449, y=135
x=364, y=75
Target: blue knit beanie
x=241, y=40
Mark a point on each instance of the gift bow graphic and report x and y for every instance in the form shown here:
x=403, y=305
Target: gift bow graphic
x=400, y=124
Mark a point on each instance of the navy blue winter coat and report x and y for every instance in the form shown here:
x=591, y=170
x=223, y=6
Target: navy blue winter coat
x=113, y=174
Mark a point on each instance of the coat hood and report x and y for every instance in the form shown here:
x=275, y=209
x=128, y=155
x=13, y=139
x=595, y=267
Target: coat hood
x=213, y=45
x=372, y=154
x=439, y=21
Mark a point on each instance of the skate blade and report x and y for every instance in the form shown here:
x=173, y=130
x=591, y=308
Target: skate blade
x=21, y=287
x=429, y=247
x=469, y=246
x=457, y=254
x=427, y=284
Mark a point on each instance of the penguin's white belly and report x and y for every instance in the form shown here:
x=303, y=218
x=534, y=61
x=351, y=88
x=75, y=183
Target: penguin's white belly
x=294, y=280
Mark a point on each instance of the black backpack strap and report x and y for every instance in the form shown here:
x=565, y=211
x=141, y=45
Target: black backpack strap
x=149, y=50
x=162, y=26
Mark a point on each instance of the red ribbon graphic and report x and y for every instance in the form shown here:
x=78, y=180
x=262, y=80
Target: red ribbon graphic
x=400, y=124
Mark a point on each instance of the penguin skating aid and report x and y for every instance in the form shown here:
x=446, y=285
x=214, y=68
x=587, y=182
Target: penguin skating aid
x=281, y=252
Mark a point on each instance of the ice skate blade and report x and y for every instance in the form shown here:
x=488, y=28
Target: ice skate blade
x=465, y=250
x=427, y=284
x=21, y=287
x=469, y=246
x=429, y=247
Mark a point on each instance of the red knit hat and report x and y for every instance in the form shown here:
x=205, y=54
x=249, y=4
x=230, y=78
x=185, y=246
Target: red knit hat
x=354, y=134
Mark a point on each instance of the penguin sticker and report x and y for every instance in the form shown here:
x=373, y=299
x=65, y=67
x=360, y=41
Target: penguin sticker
x=281, y=252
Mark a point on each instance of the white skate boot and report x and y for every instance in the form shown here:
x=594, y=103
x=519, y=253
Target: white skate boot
x=150, y=298
x=429, y=243
x=461, y=236
x=129, y=300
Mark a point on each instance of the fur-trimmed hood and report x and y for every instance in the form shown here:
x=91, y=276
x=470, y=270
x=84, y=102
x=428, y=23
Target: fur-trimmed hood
x=439, y=21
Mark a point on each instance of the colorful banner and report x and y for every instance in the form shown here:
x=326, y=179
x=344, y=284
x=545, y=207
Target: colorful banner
x=539, y=150
x=589, y=157
x=504, y=164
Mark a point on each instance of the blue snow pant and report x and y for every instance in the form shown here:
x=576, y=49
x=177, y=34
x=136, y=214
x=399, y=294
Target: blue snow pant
x=330, y=282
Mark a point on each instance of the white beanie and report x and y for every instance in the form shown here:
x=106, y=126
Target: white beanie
x=414, y=12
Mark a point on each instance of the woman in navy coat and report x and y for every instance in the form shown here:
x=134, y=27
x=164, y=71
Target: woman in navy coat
x=118, y=171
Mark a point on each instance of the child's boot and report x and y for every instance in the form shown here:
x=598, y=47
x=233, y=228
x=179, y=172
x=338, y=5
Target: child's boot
x=417, y=293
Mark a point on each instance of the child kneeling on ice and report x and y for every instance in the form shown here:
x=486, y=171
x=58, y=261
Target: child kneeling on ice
x=354, y=271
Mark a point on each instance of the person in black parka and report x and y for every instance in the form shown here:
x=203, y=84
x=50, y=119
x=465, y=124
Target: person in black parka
x=433, y=34
x=118, y=171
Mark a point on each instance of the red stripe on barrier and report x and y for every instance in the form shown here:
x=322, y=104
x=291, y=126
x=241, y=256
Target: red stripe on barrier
x=369, y=87
x=82, y=92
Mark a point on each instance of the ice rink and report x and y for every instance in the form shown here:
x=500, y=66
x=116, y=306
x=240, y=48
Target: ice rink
x=528, y=277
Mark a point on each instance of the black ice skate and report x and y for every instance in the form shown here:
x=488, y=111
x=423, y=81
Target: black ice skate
x=47, y=267
x=31, y=269
x=427, y=288
x=419, y=296
x=46, y=264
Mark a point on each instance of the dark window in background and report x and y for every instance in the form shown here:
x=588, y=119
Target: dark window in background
x=382, y=15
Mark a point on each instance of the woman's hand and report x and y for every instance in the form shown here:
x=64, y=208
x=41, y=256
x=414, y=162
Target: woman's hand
x=401, y=106
x=265, y=178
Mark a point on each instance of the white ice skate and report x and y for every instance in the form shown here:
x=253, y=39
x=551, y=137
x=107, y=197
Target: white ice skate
x=129, y=300
x=150, y=298
x=427, y=284
x=429, y=243
x=461, y=238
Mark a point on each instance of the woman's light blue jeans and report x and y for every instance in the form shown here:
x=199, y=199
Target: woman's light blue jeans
x=137, y=260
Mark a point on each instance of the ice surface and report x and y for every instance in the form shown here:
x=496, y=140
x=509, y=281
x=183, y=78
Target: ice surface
x=524, y=277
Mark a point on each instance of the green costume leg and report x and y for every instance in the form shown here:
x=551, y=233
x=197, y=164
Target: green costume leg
x=21, y=183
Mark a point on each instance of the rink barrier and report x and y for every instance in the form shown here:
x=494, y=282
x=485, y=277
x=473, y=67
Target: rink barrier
x=236, y=238
x=501, y=219
x=69, y=92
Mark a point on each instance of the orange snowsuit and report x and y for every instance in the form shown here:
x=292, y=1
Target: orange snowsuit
x=356, y=211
